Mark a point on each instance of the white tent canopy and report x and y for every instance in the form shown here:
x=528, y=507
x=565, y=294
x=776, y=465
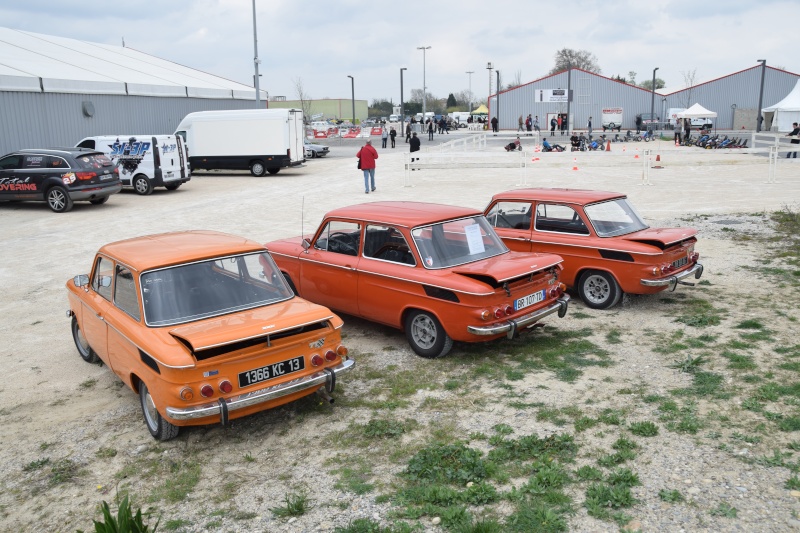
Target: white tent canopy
x=782, y=114
x=697, y=111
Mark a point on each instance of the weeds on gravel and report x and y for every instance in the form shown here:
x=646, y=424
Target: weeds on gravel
x=354, y=475
x=36, y=464
x=295, y=504
x=125, y=521
x=180, y=480
x=699, y=313
x=366, y=525
x=63, y=470
x=724, y=509
x=690, y=364
x=671, y=496
x=643, y=429
x=793, y=483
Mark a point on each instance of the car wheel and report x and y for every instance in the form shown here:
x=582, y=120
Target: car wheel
x=426, y=335
x=99, y=201
x=599, y=290
x=257, y=168
x=273, y=171
x=313, y=154
x=85, y=351
x=172, y=187
x=159, y=428
x=142, y=185
x=58, y=199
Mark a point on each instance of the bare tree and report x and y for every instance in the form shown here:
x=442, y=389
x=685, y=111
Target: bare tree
x=582, y=59
x=632, y=77
x=689, y=77
x=431, y=102
x=516, y=81
x=304, y=97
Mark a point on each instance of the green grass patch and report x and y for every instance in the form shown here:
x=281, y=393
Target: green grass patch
x=699, y=313
x=671, y=496
x=295, y=504
x=180, y=478
x=354, y=475
x=645, y=428
x=738, y=361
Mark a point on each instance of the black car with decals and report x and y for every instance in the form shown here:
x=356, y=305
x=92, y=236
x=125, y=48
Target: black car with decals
x=58, y=176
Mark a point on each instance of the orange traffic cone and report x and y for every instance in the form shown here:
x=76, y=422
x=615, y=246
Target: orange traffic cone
x=658, y=160
x=676, y=143
x=574, y=163
x=637, y=154
x=608, y=146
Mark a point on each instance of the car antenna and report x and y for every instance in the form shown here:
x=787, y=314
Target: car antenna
x=302, y=220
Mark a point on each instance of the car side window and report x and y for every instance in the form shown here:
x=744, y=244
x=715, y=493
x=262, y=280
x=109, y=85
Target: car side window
x=125, y=292
x=514, y=215
x=387, y=244
x=340, y=237
x=56, y=162
x=559, y=219
x=101, y=277
x=11, y=162
x=35, y=161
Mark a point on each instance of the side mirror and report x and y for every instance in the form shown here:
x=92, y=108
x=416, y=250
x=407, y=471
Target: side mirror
x=306, y=244
x=81, y=281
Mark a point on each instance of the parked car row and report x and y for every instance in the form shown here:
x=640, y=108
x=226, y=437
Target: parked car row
x=208, y=327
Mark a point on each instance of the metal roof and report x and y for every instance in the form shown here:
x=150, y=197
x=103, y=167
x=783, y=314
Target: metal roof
x=33, y=62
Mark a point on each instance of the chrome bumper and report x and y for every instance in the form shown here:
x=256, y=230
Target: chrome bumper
x=672, y=281
x=325, y=377
x=513, y=325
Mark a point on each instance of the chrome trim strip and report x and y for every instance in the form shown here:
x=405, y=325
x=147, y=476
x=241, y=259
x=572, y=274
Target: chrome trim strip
x=330, y=264
x=426, y=283
x=696, y=270
x=263, y=334
x=515, y=324
x=392, y=262
x=317, y=379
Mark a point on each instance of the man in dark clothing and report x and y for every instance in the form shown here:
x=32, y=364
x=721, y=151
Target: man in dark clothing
x=415, y=144
x=408, y=131
x=553, y=124
x=639, y=124
x=794, y=133
x=430, y=129
x=392, y=135
x=494, y=124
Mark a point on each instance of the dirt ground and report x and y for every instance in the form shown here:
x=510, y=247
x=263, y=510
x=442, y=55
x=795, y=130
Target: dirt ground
x=56, y=408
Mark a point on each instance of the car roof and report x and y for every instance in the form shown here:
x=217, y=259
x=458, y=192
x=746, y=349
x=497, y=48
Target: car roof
x=569, y=196
x=59, y=151
x=408, y=214
x=166, y=249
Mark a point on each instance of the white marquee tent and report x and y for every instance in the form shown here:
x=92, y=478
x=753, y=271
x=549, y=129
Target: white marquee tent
x=697, y=111
x=782, y=114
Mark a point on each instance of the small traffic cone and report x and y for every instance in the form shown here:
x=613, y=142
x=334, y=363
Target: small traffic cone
x=637, y=154
x=676, y=143
x=658, y=160
x=574, y=163
x=608, y=146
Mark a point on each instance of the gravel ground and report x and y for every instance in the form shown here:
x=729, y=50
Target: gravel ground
x=56, y=407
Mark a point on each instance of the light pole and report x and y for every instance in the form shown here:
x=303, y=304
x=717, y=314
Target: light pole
x=470, y=72
x=760, y=119
x=489, y=67
x=653, y=95
x=256, y=61
x=402, y=109
x=424, y=87
x=353, y=96
x=497, y=99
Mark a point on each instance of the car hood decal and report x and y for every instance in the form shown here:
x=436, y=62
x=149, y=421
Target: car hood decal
x=508, y=266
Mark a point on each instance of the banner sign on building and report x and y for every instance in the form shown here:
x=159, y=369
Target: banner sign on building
x=550, y=96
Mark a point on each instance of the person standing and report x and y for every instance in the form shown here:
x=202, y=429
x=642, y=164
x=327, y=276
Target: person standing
x=520, y=123
x=415, y=144
x=408, y=130
x=384, y=137
x=536, y=124
x=687, y=128
x=494, y=122
x=528, y=123
x=677, y=131
x=430, y=129
x=794, y=133
x=558, y=123
x=639, y=124
x=367, y=156
x=553, y=124
x=392, y=135
x=589, y=127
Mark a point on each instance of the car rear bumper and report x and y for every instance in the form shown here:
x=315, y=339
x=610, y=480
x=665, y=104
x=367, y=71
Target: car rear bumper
x=326, y=377
x=90, y=192
x=672, y=281
x=513, y=325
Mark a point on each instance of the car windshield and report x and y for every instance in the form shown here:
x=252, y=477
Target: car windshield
x=456, y=242
x=615, y=217
x=194, y=291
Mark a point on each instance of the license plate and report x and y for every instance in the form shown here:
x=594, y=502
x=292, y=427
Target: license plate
x=526, y=301
x=257, y=375
x=680, y=262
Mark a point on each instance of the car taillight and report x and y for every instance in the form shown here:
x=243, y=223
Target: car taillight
x=694, y=257
x=486, y=315
x=342, y=350
x=330, y=355
x=498, y=313
x=225, y=387
x=86, y=175
x=509, y=310
x=316, y=360
x=187, y=394
x=206, y=391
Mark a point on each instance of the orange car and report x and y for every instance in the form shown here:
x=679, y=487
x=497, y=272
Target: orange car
x=203, y=326
x=438, y=272
x=606, y=246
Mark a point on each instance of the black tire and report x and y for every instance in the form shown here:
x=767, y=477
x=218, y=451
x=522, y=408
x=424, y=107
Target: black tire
x=599, y=290
x=257, y=168
x=58, y=199
x=99, y=201
x=273, y=171
x=85, y=351
x=142, y=185
x=172, y=187
x=313, y=154
x=426, y=335
x=159, y=428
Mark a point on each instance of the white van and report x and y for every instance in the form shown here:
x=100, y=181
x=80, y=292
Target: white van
x=611, y=118
x=144, y=161
x=701, y=123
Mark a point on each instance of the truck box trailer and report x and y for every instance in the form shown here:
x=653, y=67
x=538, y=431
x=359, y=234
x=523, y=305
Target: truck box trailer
x=261, y=140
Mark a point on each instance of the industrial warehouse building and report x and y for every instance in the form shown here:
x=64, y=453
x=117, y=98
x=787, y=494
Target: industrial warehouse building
x=55, y=91
x=734, y=98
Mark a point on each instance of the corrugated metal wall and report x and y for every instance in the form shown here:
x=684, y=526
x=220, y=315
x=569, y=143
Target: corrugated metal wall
x=591, y=93
x=40, y=120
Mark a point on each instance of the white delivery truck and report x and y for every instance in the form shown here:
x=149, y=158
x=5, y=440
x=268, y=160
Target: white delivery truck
x=144, y=161
x=611, y=118
x=261, y=140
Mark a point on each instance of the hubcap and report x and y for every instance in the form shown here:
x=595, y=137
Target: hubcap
x=141, y=186
x=150, y=411
x=57, y=200
x=597, y=289
x=423, y=331
x=258, y=169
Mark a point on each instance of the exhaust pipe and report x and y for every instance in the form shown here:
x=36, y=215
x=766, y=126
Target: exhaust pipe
x=325, y=396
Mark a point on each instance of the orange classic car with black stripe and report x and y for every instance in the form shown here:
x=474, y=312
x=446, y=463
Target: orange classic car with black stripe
x=203, y=326
x=438, y=272
x=607, y=247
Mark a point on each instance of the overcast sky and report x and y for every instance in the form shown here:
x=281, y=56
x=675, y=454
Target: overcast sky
x=322, y=41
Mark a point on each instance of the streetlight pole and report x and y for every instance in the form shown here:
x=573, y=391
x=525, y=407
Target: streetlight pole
x=470, y=72
x=353, y=96
x=256, y=61
x=760, y=118
x=653, y=95
x=402, y=108
x=424, y=86
x=489, y=67
x=497, y=98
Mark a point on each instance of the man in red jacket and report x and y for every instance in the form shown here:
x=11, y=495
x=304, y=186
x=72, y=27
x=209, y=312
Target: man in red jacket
x=367, y=155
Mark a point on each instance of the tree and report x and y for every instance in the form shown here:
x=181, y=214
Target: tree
x=583, y=59
x=648, y=84
x=451, y=100
x=431, y=102
x=619, y=79
x=632, y=77
x=688, y=80
x=380, y=108
x=516, y=81
x=304, y=97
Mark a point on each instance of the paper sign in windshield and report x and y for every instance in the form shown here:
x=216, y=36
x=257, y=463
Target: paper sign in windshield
x=474, y=239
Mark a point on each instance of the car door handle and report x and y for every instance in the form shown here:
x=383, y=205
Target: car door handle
x=100, y=317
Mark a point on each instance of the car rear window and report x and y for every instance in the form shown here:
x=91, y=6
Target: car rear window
x=95, y=161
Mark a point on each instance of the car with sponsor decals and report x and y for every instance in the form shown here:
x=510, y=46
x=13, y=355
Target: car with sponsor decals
x=203, y=326
x=58, y=176
x=607, y=247
x=437, y=272
x=145, y=161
